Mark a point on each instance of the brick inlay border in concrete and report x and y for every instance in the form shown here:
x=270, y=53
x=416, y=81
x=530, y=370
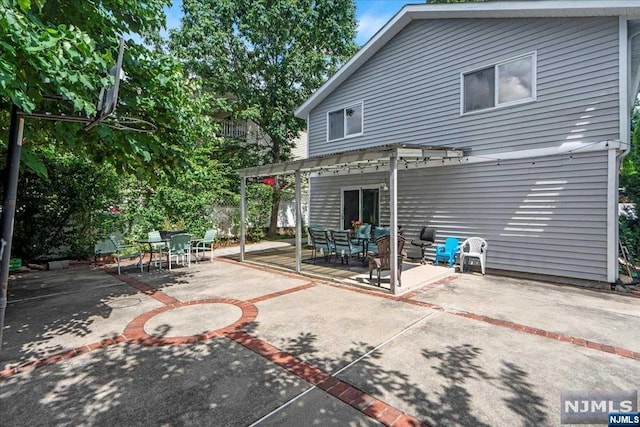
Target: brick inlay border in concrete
x=134, y=331
x=580, y=342
x=281, y=293
x=408, y=298
x=345, y=392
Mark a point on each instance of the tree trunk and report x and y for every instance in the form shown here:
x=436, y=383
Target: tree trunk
x=275, y=207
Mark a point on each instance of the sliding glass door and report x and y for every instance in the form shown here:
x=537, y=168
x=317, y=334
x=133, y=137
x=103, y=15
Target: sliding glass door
x=360, y=204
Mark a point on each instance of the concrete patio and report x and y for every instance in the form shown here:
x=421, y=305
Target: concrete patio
x=414, y=275
x=223, y=343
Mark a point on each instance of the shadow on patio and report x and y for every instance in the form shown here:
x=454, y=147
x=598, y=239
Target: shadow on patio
x=414, y=275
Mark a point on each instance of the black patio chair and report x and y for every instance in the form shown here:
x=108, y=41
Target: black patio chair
x=426, y=240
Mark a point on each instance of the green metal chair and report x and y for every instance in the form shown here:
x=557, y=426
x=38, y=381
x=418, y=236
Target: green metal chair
x=119, y=250
x=156, y=248
x=207, y=241
x=180, y=248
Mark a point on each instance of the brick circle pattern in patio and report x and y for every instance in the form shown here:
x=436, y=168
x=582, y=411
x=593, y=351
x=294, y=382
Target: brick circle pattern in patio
x=135, y=329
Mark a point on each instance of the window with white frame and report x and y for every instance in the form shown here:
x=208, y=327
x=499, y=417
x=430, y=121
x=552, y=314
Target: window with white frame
x=509, y=82
x=344, y=122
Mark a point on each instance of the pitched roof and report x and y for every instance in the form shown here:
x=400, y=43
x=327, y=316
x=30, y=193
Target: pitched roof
x=512, y=9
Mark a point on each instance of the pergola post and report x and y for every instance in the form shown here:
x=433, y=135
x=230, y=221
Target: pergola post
x=298, y=221
x=393, y=220
x=243, y=214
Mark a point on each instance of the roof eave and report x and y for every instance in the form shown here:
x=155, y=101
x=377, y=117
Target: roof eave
x=517, y=9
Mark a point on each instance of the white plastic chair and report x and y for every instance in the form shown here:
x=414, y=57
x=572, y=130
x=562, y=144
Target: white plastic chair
x=474, y=247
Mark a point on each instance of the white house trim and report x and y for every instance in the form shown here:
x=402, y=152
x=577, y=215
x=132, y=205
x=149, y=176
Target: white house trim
x=613, y=163
x=516, y=9
x=496, y=92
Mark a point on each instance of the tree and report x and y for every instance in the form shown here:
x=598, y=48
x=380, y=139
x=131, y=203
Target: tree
x=63, y=48
x=266, y=57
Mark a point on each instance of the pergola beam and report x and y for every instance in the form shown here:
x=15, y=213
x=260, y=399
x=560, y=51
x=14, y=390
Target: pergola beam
x=375, y=159
x=354, y=160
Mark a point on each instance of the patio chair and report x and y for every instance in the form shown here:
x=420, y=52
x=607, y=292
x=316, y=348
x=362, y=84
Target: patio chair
x=474, y=247
x=377, y=233
x=320, y=243
x=382, y=260
x=426, y=240
x=448, y=251
x=344, y=247
x=362, y=236
x=206, y=242
x=180, y=248
x=156, y=248
x=118, y=250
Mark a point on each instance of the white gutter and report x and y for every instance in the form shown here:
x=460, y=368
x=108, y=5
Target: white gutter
x=614, y=160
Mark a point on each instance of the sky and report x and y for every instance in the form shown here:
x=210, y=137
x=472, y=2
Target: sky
x=371, y=15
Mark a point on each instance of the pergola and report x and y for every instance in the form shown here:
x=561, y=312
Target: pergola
x=374, y=159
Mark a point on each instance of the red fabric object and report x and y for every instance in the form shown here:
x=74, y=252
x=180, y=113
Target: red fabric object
x=269, y=181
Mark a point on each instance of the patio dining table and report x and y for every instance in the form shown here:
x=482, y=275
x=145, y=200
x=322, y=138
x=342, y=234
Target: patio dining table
x=151, y=242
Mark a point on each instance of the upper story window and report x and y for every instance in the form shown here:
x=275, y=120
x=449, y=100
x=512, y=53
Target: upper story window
x=507, y=83
x=344, y=122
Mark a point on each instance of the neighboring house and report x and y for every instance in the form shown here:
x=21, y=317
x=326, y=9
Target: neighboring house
x=249, y=132
x=534, y=96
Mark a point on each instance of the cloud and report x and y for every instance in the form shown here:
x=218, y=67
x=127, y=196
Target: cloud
x=369, y=24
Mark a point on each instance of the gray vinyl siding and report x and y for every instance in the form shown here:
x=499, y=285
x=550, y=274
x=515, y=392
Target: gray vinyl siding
x=324, y=204
x=411, y=87
x=545, y=218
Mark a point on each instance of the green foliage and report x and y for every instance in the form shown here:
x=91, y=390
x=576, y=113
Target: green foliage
x=630, y=235
x=265, y=58
x=64, y=48
x=630, y=182
x=67, y=212
x=257, y=210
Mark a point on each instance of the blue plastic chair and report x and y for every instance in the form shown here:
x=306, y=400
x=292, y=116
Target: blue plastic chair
x=448, y=251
